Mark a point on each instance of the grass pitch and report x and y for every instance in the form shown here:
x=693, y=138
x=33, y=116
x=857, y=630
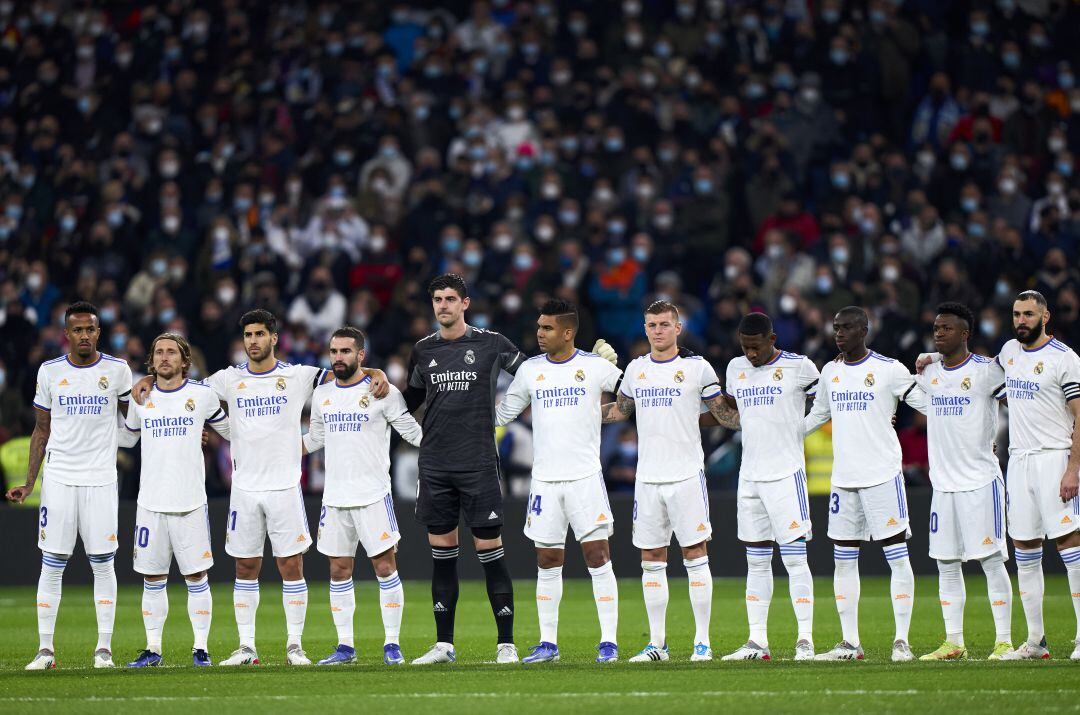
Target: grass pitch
x=576, y=684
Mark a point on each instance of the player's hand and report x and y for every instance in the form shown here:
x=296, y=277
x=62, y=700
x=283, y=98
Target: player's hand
x=205, y=437
x=605, y=351
x=380, y=385
x=924, y=360
x=1070, y=484
x=18, y=494
x=141, y=389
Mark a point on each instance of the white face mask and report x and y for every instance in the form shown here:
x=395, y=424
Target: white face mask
x=890, y=273
x=731, y=272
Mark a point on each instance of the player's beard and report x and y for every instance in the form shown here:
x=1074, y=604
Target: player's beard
x=257, y=353
x=168, y=374
x=1031, y=336
x=345, y=370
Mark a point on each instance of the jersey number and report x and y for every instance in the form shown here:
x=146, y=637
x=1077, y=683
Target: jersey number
x=322, y=517
x=232, y=521
x=834, y=506
x=933, y=522
x=635, y=510
x=535, y=508
x=142, y=536
x=44, y=516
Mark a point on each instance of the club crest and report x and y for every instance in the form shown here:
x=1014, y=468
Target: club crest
x=189, y=405
x=103, y=381
x=1038, y=368
x=579, y=376
x=280, y=384
x=365, y=401
x=965, y=384
x=679, y=376
x=470, y=357
x=869, y=380
x=778, y=374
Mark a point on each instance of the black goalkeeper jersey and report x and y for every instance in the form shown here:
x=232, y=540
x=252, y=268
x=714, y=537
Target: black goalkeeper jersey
x=456, y=381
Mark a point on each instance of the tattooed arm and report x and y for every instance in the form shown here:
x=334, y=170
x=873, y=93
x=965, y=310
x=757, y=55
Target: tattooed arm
x=723, y=412
x=618, y=411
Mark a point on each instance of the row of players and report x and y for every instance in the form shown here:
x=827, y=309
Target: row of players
x=766, y=393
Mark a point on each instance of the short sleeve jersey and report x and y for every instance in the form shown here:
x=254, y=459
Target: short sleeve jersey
x=82, y=402
x=667, y=399
x=170, y=424
x=264, y=421
x=459, y=378
x=1038, y=384
x=771, y=400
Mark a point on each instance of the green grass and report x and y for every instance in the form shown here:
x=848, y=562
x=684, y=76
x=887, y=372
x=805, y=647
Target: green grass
x=576, y=684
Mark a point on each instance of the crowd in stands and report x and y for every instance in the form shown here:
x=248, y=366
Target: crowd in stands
x=179, y=162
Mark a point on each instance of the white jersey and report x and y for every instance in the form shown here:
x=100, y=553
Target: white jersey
x=860, y=398
x=667, y=400
x=82, y=402
x=1038, y=383
x=355, y=429
x=772, y=404
x=170, y=425
x=565, y=398
x=961, y=421
x=264, y=418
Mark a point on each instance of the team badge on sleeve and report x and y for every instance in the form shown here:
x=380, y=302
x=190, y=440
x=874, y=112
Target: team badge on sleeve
x=869, y=381
x=103, y=381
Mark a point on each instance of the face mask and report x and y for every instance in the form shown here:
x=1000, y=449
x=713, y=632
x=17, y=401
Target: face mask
x=969, y=204
x=890, y=273
x=839, y=254
x=34, y=281
x=550, y=191
x=68, y=223
x=239, y=357
x=755, y=90
x=343, y=158
x=1011, y=60
x=221, y=234
x=568, y=218
x=703, y=186
x=523, y=261
x=731, y=272
x=1055, y=144
x=108, y=315
x=838, y=55
x=613, y=144
x=788, y=303
x=640, y=254
x=451, y=245
x=118, y=341
x=841, y=180
x=663, y=221
x=226, y=295
x=502, y=242
x=616, y=256
x=158, y=266
x=545, y=233
x=115, y=218
x=830, y=16
x=1007, y=186
x=171, y=224
x=959, y=162
x=169, y=169
x=824, y=284
x=472, y=259
x=604, y=195
x=980, y=28
x=481, y=321
x=242, y=204
x=1066, y=81
x=774, y=251
x=976, y=230
x=166, y=315
x=987, y=327
x=1002, y=288
x=617, y=228
x=1064, y=168
x=511, y=303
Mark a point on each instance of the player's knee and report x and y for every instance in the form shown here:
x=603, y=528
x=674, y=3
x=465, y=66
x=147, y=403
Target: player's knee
x=655, y=554
x=193, y=578
x=486, y=533
x=596, y=553
x=550, y=558
x=248, y=569
x=384, y=564
x=1069, y=541
x=291, y=568
x=695, y=552
x=442, y=535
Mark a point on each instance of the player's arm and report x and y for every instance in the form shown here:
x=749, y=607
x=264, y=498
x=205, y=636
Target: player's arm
x=415, y=389
x=514, y=402
x=916, y=399
x=722, y=411
x=315, y=437
x=510, y=358
x=219, y=422
x=619, y=410
x=127, y=431
x=1070, y=386
x=380, y=384
x=39, y=440
x=142, y=388
x=820, y=413
x=405, y=424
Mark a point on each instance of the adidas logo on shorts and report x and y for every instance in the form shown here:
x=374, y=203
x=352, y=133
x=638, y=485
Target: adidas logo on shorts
x=384, y=536
x=493, y=515
x=891, y=522
x=987, y=541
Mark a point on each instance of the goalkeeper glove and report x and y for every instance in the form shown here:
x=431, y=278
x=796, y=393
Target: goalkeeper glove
x=605, y=351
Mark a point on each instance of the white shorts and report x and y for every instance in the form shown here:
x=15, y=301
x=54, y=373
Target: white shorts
x=866, y=513
x=373, y=525
x=86, y=512
x=582, y=504
x=160, y=535
x=775, y=510
x=278, y=514
x=1033, y=485
x=681, y=508
x=966, y=526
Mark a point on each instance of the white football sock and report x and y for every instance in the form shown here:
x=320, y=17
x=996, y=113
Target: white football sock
x=294, y=597
x=952, y=592
x=1071, y=558
x=701, y=586
x=392, y=601
x=50, y=586
x=800, y=587
x=759, y=591
x=245, y=604
x=1029, y=578
x=200, y=609
x=342, y=608
x=901, y=588
x=606, y=593
x=549, y=589
x=155, y=609
x=999, y=592
x=847, y=588
x=654, y=588
x=104, y=597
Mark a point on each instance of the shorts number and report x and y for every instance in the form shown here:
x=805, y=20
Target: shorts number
x=834, y=507
x=232, y=521
x=322, y=517
x=44, y=516
x=142, y=536
x=635, y=510
x=535, y=508
x=933, y=522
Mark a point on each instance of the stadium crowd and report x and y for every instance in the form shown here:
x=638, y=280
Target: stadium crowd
x=180, y=162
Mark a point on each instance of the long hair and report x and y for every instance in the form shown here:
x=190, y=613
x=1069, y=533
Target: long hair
x=185, y=353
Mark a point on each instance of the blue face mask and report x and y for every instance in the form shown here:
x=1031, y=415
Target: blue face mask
x=838, y=55
x=703, y=186
x=976, y=230
x=523, y=261
x=451, y=245
x=472, y=259
x=613, y=144
x=830, y=16
x=481, y=321
x=118, y=341
x=616, y=256
x=1065, y=168
x=841, y=181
